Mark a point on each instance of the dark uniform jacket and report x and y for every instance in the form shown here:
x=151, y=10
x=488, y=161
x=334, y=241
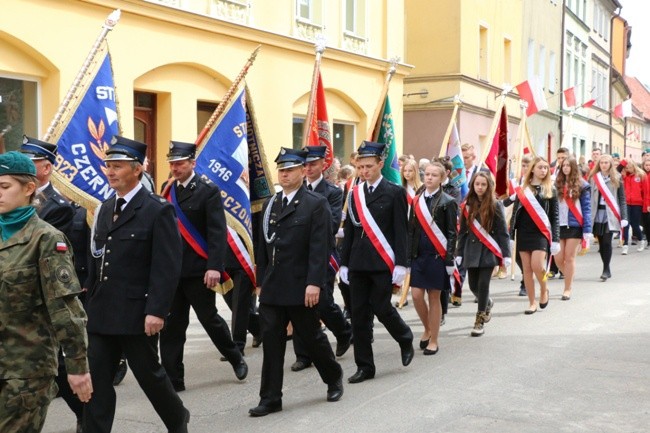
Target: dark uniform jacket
x=79, y=236
x=387, y=204
x=201, y=203
x=55, y=210
x=474, y=253
x=444, y=210
x=334, y=197
x=140, y=267
x=298, y=256
x=550, y=206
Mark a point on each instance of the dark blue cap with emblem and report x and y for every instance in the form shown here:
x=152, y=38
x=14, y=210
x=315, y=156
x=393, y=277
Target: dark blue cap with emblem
x=370, y=148
x=315, y=152
x=38, y=149
x=179, y=151
x=124, y=149
x=289, y=158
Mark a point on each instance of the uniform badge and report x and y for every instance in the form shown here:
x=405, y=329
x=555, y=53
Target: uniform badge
x=63, y=274
x=37, y=202
x=61, y=247
x=282, y=151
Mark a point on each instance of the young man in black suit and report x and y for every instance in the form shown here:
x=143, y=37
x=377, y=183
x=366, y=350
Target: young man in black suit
x=202, y=222
x=373, y=258
x=330, y=313
x=136, y=248
x=292, y=260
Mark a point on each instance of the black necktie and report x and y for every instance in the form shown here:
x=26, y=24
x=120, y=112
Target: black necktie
x=285, y=202
x=309, y=187
x=428, y=200
x=180, y=188
x=371, y=189
x=118, y=208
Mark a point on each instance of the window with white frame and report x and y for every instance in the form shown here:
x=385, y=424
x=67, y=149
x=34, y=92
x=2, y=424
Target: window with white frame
x=575, y=65
x=355, y=17
x=542, y=66
x=551, y=71
x=304, y=9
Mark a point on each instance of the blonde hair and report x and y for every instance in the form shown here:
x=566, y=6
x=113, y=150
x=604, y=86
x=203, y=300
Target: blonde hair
x=417, y=183
x=547, y=182
x=614, y=176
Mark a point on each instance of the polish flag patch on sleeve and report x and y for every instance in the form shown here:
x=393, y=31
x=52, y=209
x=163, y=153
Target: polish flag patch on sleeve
x=61, y=247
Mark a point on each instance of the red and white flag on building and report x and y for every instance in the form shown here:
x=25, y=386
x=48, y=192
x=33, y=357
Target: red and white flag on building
x=532, y=92
x=319, y=130
x=624, y=109
x=570, y=97
x=589, y=103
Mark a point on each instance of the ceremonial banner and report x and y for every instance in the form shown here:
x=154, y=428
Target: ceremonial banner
x=457, y=176
x=385, y=133
x=497, y=159
x=260, y=181
x=319, y=129
x=85, y=131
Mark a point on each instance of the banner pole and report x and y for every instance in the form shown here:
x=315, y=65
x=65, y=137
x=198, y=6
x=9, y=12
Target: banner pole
x=445, y=140
x=373, y=130
x=319, y=47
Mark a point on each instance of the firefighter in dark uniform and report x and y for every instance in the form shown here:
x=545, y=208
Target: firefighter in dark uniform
x=363, y=264
x=292, y=259
x=201, y=216
x=330, y=313
x=136, y=248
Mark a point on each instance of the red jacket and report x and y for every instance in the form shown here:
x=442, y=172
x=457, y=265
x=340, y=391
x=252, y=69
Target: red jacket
x=646, y=194
x=634, y=186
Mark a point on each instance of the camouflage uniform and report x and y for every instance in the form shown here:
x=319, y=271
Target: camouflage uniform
x=39, y=310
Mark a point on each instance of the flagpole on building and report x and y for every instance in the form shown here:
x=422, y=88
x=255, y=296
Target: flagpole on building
x=319, y=47
x=493, y=128
x=226, y=98
x=567, y=132
x=445, y=140
x=109, y=24
x=373, y=129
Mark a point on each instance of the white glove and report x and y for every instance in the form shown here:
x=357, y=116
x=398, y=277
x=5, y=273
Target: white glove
x=513, y=197
x=343, y=215
x=624, y=224
x=399, y=273
x=343, y=274
x=450, y=270
x=339, y=234
x=507, y=262
x=586, y=239
x=459, y=260
x=555, y=248
x=512, y=246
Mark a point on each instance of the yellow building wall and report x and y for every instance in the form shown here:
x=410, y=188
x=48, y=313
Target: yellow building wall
x=187, y=57
x=619, y=44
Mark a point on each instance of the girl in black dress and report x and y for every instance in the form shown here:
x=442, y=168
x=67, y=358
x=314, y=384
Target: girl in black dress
x=432, y=221
x=532, y=242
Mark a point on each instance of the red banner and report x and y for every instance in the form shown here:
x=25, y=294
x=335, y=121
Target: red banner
x=319, y=130
x=497, y=159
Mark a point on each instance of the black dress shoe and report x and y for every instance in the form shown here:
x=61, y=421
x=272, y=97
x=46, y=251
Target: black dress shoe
x=431, y=352
x=335, y=391
x=265, y=409
x=407, y=355
x=300, y=365
x=182, y=428
x=121, y=372
x=178, y=386
x=424, y=343
x=360, y=376
x=257, y=340
x=241, y=370
x=343, y=346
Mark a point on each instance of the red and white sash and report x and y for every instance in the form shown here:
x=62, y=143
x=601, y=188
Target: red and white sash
x=575, y=210
x=241, y=253
x=607, y=195
x=534, y=209
x=485, y=237
x=371, y=228
x=410, y=197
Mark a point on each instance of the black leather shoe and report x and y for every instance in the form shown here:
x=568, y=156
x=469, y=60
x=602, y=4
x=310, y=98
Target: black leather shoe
x=265, y=409
x=178, y=386
x=424, y=343
x=335, y=391
x=431, y=352
x=360, y=376
x=241, y=370
x=121, y=372
x=257, y=340
x=300, y=365
x=183, y=427
x=343, y=346
x=407, y=355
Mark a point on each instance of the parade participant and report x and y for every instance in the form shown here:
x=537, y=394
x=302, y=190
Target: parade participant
x=410, y=179
x=54, y=209
x=645, y=216
x=469, y=155
x=374, y=257
x=292, y=260
x=608, y=208
x=136, y=250
x=535, y=221
x=329, y=312
x=483, y=243
x=202, y=224
x=633, y=181
x=595, y=156
x=574, y=196
x=39, y=309
x=432, y=239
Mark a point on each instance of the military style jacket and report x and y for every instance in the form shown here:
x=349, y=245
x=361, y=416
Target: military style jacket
x=334, y=198
x=55, y=209
x=39, y=308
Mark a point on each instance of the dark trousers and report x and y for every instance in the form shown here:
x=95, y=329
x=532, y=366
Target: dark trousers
x=634, y=214
x=192, y=292
x=104, y=352
x=332, y=317
x=605, y=249
x=479, y=284
x=75, y=405
x=240, y=302
x=645, y=219
x=306, y=323
x=371, y=293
